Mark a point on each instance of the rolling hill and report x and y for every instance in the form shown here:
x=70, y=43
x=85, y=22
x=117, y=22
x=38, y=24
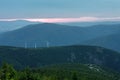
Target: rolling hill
x=59, y=72
x=111, y=41
x=56, y=35
x=77, y=72
x=21, y=57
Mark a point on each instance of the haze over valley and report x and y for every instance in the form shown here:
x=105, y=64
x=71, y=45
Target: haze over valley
x=59, y=40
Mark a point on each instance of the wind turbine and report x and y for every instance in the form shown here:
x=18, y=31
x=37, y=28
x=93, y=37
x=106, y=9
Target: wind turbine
x=47, y=43
x=25, y=45
x=35, y=46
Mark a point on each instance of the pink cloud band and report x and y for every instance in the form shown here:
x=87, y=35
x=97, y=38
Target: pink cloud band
x=61, y=20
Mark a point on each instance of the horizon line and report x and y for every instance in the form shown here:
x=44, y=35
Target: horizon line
x=66, y=20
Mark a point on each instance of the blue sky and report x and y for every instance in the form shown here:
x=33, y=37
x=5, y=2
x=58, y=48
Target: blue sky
x=58, y=8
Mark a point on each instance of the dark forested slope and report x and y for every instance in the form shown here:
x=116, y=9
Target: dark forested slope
x=21, y=57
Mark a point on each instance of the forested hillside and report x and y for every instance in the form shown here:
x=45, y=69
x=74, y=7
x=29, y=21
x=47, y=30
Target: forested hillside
x=36, y=57
x=58, y=72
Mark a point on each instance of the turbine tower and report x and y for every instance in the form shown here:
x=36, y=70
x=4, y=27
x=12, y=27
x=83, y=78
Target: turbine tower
x=25, y=45
x=47, y=43
x=35, y=46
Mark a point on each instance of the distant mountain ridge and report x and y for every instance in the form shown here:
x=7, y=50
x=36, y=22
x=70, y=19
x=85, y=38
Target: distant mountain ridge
x=110, y=41
x=52, y=34
x=13, y=25
x=88, y=24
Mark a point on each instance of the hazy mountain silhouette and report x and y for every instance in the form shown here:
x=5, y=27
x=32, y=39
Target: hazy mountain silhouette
x=88, y=24
x=56, y=35
x=12, y=25
x=111, y=41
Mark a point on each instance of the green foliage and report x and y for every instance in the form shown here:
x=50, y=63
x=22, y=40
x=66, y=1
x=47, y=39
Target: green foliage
x=74, y=76
x=7, y=72
x=70, y=63
x=56, y=72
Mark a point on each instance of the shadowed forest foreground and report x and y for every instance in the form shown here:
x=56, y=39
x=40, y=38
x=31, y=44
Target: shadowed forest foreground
x=58, y=72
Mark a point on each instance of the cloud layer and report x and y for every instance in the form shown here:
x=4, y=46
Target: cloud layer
x=64, y=20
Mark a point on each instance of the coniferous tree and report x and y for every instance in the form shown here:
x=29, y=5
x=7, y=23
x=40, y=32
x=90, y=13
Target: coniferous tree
x=7, y=72
x=74, y=76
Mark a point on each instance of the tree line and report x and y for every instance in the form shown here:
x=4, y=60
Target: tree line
x=8, y=72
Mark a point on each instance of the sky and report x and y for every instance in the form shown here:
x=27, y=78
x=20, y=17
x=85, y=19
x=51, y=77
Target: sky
x=60, y=10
